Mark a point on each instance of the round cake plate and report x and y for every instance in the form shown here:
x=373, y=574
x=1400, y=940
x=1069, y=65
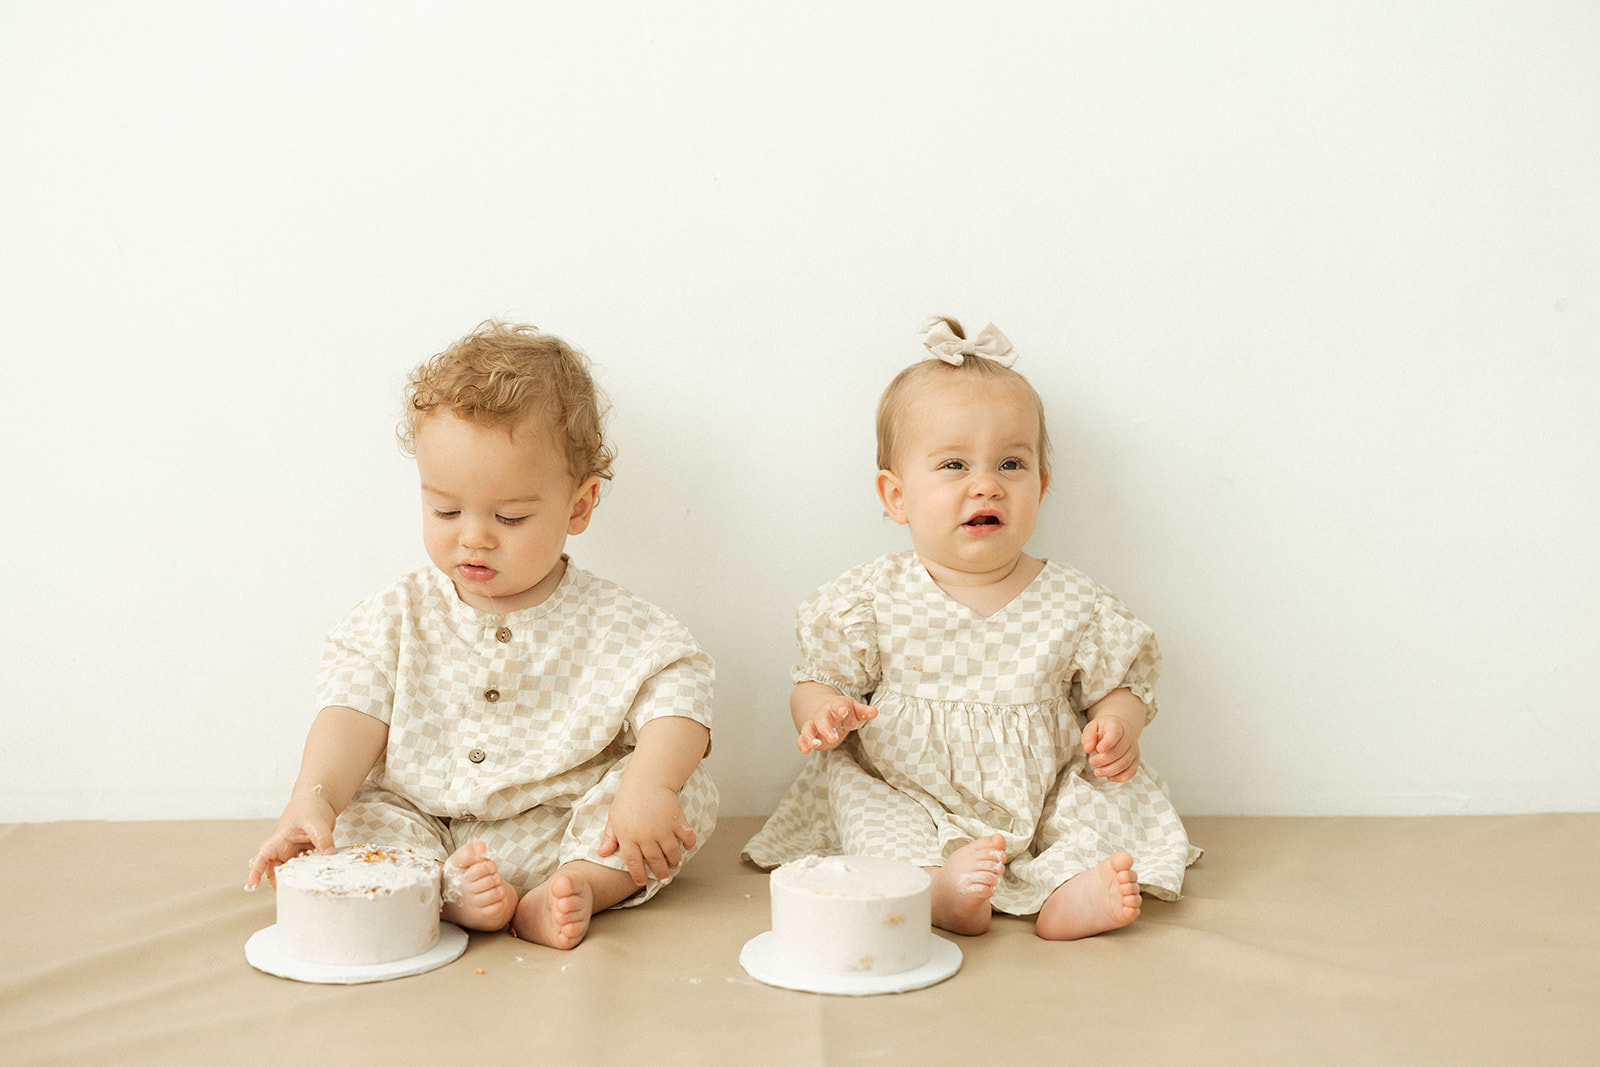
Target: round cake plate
x=760, y=960
x=264, y=953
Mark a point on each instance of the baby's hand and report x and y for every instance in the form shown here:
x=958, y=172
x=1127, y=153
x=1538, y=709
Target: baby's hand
x=1113, y=749
x=832, y=723
x=646, y=825
x=307, y=822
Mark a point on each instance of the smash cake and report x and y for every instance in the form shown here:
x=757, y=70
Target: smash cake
x=360, y=905
x=363, y=913
x=852, y=925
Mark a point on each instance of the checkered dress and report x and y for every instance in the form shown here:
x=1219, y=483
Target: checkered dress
x=511, y=729
x=978, y=732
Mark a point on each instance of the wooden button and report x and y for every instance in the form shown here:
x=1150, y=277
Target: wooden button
x=477, y=755
x=491, y=695
x=503, y=634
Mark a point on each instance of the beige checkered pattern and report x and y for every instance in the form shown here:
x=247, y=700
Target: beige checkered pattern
x=978, y=732
x=511, y=729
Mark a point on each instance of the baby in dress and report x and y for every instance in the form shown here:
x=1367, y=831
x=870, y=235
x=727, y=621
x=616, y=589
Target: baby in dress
x=970, y=708
x=537, y=727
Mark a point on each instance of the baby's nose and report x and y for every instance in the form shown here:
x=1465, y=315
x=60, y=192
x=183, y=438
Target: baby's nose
x=476, y=535
x=986, y=485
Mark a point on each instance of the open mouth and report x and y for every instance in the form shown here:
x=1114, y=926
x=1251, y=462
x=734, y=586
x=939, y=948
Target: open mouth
x=985, y=518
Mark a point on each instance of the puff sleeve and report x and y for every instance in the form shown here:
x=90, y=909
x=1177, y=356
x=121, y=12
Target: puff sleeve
x=837, y=632
x=1115, y=651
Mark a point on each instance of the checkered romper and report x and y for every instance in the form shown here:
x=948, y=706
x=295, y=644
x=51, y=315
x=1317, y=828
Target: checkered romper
x=978, y=732
x=511, y=729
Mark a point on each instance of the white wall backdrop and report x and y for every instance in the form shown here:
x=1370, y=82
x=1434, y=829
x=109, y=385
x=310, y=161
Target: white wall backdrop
x=1312, y=292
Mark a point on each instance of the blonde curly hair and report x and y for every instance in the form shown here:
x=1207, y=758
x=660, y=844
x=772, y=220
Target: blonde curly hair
x=902, y=393
x=500, y=374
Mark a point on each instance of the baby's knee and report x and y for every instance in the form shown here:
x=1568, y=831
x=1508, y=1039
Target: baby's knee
x=700, y=802
x=384, y=819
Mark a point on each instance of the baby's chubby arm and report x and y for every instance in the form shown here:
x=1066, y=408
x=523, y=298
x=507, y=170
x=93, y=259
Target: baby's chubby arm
x=824, y=716
x=646, y=823
x=340, y=749
x=1111, y=738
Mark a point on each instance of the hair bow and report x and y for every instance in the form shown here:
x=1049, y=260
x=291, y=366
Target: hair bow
x=989, y=343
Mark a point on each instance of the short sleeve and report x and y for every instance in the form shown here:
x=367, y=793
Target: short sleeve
x=359, y=662
x=682, y=687
x=837, y=632
x=1116, y=651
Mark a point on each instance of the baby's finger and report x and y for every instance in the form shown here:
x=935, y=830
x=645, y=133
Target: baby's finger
x=661, y=863
x=685, y=834
x=633, y=859
x=1113, y=734
x=608, y=843
x=263, y=864
x=1116, y=766
x=672, y=849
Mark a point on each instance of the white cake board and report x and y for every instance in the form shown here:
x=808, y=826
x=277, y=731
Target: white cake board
x=760, y=960
x=264, y=952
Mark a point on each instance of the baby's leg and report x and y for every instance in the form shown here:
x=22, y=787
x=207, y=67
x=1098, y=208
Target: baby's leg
x=558, y=911
x=963, y=887
x=482, y=898
x=478, y=898
x=1093, y=902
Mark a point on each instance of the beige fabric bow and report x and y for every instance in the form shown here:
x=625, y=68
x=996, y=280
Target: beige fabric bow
x=989, y=343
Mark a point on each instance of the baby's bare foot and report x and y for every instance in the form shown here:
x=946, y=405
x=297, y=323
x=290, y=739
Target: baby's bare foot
x=476, y=897
x=557, y=913
x=963, y=886
x=1092, y=902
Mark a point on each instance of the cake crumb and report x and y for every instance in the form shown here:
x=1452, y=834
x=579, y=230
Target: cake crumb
x=478, y=970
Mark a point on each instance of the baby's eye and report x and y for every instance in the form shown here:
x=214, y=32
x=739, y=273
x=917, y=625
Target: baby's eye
x=509, y=520
x=1011, y=465
x=445, y=514
x=952, y=465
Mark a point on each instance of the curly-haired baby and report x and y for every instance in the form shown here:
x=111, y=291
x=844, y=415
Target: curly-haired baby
x=537, y=727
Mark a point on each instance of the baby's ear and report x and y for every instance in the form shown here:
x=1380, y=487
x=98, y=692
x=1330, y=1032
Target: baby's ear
x=584, y=501
x=892, y=494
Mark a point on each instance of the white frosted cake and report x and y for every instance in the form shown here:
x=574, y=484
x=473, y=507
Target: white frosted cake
x=360, y=905
x=851, y=915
